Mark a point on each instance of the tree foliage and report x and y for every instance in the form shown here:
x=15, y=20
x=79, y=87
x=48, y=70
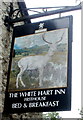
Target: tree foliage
x=52, y=116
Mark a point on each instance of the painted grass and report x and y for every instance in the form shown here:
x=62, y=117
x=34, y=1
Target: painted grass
x=57, y=58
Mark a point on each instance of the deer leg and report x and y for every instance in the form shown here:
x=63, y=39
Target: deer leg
x=22, y=81
x=41, y=77
x=51, y=77
x=17, y=81
x=21, y=73
x=19, y=77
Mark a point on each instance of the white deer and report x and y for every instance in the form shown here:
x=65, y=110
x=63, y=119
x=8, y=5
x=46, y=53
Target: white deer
x=36, y=62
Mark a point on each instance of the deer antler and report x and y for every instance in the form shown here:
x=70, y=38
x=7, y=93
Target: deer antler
x=60, y=38
x=43, y=37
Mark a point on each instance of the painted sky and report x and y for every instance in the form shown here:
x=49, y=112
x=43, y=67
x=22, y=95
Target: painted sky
x=32, y=40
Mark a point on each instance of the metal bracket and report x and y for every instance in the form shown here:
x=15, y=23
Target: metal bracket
x=15, y=15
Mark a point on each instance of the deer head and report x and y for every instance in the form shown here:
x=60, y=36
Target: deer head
x=53, y=46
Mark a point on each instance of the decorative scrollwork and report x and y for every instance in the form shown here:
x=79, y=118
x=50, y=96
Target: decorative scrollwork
x=17, y=14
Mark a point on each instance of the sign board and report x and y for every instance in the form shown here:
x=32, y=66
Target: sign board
x=39, y=77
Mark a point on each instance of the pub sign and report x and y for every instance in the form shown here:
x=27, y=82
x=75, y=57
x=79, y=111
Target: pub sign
x=39, y=75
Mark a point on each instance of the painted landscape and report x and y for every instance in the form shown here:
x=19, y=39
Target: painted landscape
x=39, y=63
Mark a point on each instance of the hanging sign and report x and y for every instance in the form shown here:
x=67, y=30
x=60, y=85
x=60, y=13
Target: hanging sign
x=39, y=78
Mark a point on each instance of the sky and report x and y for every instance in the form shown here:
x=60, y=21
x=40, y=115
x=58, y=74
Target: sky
x=76, y=49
